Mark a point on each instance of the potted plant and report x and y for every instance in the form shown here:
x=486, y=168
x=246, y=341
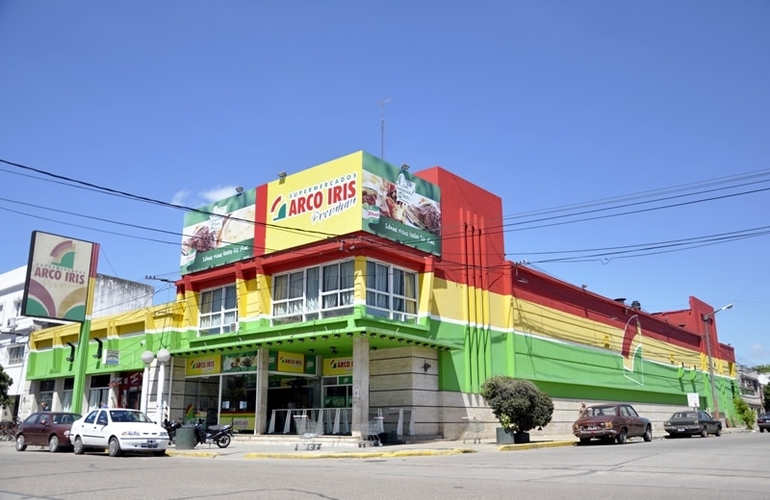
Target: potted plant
x=519, y=406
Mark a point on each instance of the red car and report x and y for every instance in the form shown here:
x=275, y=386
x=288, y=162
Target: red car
x=46, y=428
x=611, y=422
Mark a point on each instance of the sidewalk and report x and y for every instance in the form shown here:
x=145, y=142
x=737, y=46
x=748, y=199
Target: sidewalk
x=284, y=447
x=250, y=447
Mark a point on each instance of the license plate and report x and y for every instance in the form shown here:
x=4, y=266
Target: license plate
x=151, y=443
x=593, y=428
x=680, y=429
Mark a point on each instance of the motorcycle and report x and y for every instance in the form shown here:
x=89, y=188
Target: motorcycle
x=171, y=426
x=219, y=434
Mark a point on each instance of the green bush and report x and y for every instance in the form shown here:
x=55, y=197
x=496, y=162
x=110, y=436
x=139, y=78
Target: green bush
x=745, y=414
x=518, y=404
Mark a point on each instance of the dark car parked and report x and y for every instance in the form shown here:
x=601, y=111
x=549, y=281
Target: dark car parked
x=611, y=422
x=46, y=428
x=763, y=422
x=692, y=423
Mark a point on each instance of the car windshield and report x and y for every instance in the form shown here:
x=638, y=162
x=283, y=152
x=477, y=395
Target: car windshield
x=686, y=415
x=128, y=416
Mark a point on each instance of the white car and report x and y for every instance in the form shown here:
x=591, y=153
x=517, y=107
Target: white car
x=118, y=430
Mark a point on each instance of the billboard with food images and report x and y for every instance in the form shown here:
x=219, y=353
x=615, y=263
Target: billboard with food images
x=399, y=206
x=219, y=233
x=358, y=192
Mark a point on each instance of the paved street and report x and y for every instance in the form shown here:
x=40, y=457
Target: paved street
x=734, y=465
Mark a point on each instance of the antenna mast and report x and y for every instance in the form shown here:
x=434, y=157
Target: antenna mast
x=382, y=102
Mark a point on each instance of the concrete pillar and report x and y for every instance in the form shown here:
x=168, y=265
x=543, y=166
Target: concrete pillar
x=260, y=423
x=360, y=384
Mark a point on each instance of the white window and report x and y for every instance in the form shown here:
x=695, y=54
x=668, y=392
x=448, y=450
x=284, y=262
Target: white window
x=218, y=311
x=313, y=293
x=391, y=292
x=66, y=395
x=15, y=354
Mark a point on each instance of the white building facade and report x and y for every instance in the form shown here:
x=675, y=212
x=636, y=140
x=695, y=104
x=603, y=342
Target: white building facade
x=112, y=295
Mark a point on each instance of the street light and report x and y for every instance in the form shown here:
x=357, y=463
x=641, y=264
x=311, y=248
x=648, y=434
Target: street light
x=163, y=357
x=707, y=318
x=147, y=358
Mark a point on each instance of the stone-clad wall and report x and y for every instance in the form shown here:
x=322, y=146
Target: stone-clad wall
x=401, y=379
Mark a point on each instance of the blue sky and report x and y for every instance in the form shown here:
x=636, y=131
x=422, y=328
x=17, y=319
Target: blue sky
x=545, y=103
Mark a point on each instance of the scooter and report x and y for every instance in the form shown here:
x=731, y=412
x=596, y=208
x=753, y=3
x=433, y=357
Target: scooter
x=171, y=426
x=219, y=434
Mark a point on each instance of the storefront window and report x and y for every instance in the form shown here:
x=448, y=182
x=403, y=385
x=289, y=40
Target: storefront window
x=201, y=400
x=312, y=293
x=239, y=399
x=45, y=395
x=99, y=393
x=66, y=395
x=218, y=311
x=391, y=292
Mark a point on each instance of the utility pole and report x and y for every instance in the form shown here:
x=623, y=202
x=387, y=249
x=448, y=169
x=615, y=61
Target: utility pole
x=382, y=102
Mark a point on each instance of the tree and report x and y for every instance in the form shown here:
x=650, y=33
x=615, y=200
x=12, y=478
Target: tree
x=5, y=385
x=745, y=414
x=762, y=368
x=518, y=404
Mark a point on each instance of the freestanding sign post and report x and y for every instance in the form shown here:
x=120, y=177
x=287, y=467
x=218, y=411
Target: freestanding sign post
x=693, y=400
x=60, y=284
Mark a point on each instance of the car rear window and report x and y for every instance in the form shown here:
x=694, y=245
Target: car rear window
x=66, y=418
x=602, y=410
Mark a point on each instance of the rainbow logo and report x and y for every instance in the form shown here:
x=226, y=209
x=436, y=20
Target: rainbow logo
x=278, y=208
x=63, y=254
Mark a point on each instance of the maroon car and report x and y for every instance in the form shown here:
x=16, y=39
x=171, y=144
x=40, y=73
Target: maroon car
x=46, y=428
x=611, y=422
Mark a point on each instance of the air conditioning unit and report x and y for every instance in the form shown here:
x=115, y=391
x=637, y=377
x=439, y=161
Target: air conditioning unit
x=233, y=327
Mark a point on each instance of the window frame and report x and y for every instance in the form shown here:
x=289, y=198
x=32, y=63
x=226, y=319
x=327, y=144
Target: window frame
x=315, y=292
x=15, y=360
x=221, y=317
x=393, y=291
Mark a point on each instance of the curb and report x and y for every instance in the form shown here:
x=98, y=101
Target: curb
x=307, y=456
x=535, y=445
x=191, y=453
x=370, y=454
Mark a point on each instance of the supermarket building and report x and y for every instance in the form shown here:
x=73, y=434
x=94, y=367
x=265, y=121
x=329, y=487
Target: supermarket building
x=356, y=289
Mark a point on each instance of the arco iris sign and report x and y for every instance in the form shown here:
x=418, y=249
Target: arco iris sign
x=358, y=192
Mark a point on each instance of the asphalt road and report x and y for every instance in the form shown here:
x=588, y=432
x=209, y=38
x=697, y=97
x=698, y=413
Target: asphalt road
x=732, y=466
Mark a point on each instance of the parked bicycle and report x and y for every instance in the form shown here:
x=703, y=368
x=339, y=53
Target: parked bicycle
x=8, y=429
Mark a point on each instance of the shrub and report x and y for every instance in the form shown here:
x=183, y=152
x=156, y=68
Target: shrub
x=518, y=404
x=746, y=415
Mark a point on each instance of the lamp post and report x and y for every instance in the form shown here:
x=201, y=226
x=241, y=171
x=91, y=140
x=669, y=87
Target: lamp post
x=163, y=357
x=707, y=318
x=147, y=359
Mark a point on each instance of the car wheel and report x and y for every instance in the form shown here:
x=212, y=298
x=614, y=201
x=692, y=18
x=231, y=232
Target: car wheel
x=585, y=441
x=622, y=437
x=224, y=441
x=647, y=434
x=114, y=447
x=719, y=431
x=761, y=429
x=53, y=444
x=21, y=443
x=704, y=432
x=78, y=447
x=159, y=453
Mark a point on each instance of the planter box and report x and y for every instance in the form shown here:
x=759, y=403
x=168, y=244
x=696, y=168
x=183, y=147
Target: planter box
x=510, y=437
x=504, y=437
